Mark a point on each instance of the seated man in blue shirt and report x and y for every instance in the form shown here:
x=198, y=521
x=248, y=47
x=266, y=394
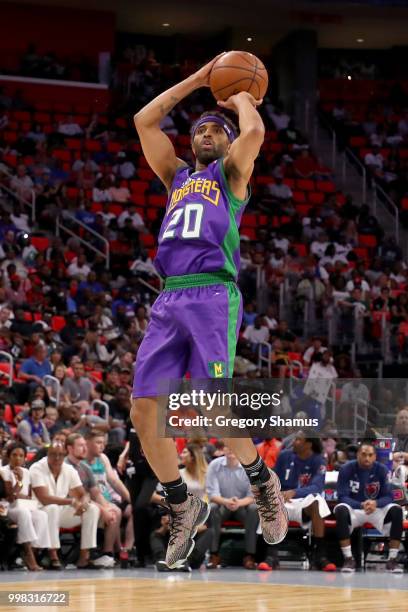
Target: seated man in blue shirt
x=364, y=493
x=229, y=492
x=302, y=472
x=36, y=367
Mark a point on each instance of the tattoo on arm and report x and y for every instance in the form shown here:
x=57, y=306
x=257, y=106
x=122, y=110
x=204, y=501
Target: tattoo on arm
x=164, y=110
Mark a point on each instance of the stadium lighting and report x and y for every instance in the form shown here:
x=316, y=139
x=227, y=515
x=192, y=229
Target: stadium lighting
x=360, y=40
x=349, y=77
x=165, y=25
x=249, y=39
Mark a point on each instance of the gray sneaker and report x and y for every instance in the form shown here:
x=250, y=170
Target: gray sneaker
x=349, y=565
x=271, y=508
x=393, y=567
x=184, y=520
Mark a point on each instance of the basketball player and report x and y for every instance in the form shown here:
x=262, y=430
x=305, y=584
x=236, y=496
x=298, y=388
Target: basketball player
x=364, y=493
x=195, y=321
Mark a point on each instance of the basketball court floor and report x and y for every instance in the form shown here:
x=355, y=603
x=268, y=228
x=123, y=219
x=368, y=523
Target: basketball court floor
x=227, y=590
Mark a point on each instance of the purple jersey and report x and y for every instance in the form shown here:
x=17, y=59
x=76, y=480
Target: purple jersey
x=199, y=233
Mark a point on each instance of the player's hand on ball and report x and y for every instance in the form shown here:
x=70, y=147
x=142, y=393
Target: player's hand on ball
x=203, y=74
x=233, y=101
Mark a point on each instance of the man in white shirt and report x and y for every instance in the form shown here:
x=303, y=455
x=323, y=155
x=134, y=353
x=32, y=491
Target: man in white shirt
x=124, y=168
x=130, y=213
x=68, y=127
x=258, y=332
x=279, y=191
x=21, y=182
x=280, y=119
x=319, y=246
x=317, y=347
x=79, y=268
x=374, y=160
x=61, y=495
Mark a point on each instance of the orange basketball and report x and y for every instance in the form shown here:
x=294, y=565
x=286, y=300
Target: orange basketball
x=237, y=71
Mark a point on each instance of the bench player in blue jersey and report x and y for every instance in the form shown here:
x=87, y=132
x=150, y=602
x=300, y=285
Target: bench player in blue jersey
x=364, y=494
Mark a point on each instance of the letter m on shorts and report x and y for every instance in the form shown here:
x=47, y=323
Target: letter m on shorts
x=217, y=369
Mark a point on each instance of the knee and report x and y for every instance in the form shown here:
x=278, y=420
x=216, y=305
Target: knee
x=141, y=408
x=252, y=510
x=396, y=514
x=51, y=510
x=92, y=511
x=341, y=512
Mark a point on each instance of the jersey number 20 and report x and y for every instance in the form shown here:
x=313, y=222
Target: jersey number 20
x=193, y=215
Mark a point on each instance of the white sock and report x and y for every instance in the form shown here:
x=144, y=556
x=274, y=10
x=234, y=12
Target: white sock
x=393, y=553
x=346, y=550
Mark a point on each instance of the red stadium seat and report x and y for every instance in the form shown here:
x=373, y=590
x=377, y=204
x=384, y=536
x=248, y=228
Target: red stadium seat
x=404, y=203
x=305, y=184
x=249, y=232
x=361, y=252
x=62, y=154
x=301, y=249
x=73, y=143
x=157, y=200
x=93, y=145
x=367, y=240
x=264, y=180
x=299, y=197
x=326, y=186
x=57, y=323
x=41, y=243
x=289, y=182
x=138, y=186
x=72, y=192
x=249, y=220
x=114, y=147
x=147, y=240
x=358, y=141
x=145, y=174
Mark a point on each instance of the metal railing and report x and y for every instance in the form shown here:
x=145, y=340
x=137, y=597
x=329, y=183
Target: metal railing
x=104, y=405
x=151, y=287
x=61, y=226
x=388, y=205
x=349, y=156
x=10, y=361
x=265, y=347
x=22, y=200
x=53, y=383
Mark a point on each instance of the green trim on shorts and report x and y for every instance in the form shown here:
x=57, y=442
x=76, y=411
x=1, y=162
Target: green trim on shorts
x=197, y=280
x=234, y=300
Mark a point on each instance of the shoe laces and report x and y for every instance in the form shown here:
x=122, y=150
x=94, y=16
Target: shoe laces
x=176, y=524
x=266, y=502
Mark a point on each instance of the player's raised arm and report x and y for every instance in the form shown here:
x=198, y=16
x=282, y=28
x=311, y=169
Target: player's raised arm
x=157, y=146
x=239, y=162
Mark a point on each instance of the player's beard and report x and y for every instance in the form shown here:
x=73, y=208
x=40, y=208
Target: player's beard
x=207, y=156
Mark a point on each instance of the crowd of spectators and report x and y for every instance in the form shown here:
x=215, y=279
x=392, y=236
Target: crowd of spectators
x=48, y=65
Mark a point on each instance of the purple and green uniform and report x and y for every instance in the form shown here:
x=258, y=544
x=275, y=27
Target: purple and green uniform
x=195, y=321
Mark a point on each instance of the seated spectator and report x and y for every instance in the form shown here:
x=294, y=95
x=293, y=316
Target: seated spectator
x=316, y=347
x=256, y=333
x=32, y=523
x=109, y=515
x=101, y=191
x=61, y=495
x=68, y=127
x=105, y=476
x=302, y=472
x=364, y=494
x=130, y=213
x=79, y=267
x=268, y=450
x=36, y=367
x=79, y=389
x=401, y=433
x=195, y=470
x=32, y=430
x=230, y=494
x=8, y=530
x=22, y=183
x=119, y=193
x=279, y=191
x=374, y=160
x=305, y=165
x=124, y=168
